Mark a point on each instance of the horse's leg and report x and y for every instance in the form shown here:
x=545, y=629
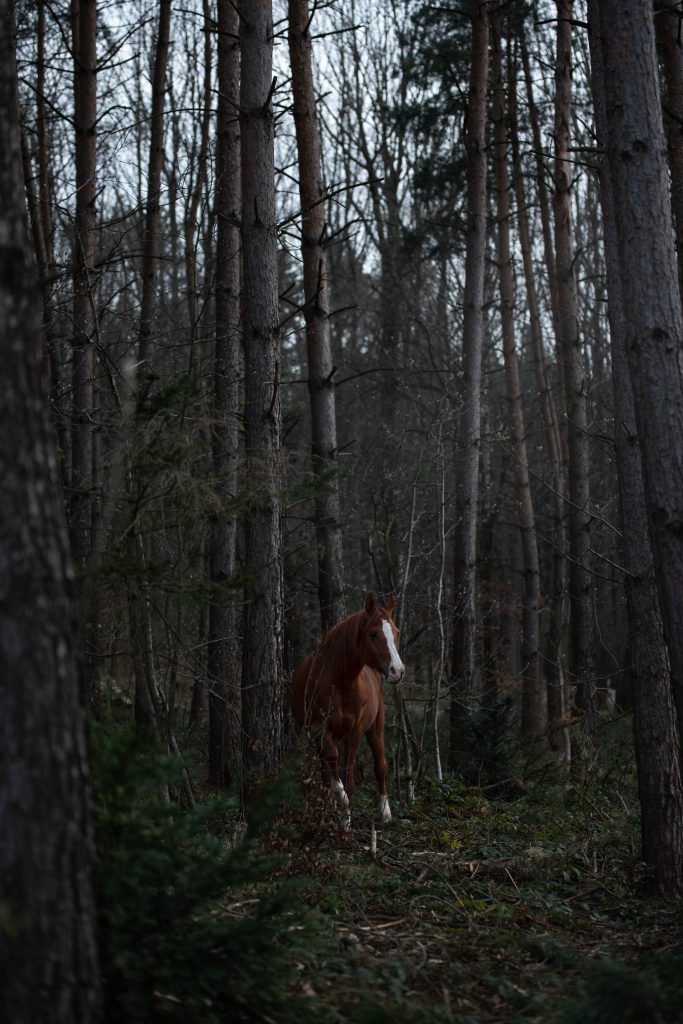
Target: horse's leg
x=329, y=763
x=351, y=745
x=375, y=735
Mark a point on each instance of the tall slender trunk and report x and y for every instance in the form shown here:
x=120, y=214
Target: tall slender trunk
x=553, y=406
x=545, y=394
x=84, y=29
x=657, y=745
x=222, y=664
x=48, y=953
x=42, y=139
x=262, y=682
x=53, y=372
x=543, y=196
x=151, y=707
x=43, y=227
x=575, y=382
x=143, y=705
x=35, y=220
x=469, y=431
x=195, y=198
x=316, y=312
x=150, y=245
x=534, y=698
x=668, y=28
x=652, y=303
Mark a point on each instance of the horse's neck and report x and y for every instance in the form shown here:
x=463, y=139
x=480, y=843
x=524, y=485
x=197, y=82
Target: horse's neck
x=346, y=673
x=342, y=646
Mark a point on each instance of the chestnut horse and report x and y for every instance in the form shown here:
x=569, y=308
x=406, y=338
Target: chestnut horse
x=338, y=692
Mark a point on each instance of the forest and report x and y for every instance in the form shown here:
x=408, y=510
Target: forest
x=342, y=400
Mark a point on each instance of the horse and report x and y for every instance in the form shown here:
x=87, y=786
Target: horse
x=338, y=689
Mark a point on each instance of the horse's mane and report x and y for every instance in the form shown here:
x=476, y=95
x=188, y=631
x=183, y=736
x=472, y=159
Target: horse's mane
x=340, y=644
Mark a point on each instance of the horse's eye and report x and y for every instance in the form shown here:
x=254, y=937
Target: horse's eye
x=373, y=635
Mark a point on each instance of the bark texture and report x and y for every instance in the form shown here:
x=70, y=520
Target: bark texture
x=636, y=150
x=557, y=632
x=541, y=185
x=534, y=697
x=668, y=29
x=262, y=682
x=223, y=664
x=575, y=381
x=156, y=160
x=48, y=959
x=469, y=433
x=316, y=311
x=192, y=211
x=84, y=27
x=656, y=739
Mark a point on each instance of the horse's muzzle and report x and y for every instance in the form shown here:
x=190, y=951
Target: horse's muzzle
x=393, y=675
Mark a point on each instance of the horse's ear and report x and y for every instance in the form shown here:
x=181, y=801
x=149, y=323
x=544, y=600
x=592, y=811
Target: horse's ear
x=391, y=604
x=370, y=604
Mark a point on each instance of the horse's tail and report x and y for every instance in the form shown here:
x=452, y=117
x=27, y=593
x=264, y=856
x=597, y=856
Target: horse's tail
x=297, y=690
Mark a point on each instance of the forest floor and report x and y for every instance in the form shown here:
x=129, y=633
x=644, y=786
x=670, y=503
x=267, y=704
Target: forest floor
x=522, y=901
x=529, y=907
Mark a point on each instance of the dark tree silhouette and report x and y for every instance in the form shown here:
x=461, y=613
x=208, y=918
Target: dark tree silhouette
x=48, y=959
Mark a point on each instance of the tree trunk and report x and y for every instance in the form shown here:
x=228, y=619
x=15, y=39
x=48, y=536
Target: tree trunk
x=668, y=27
x=52, y=367
x=222, y=663
x=43, y=147
x=657, y=746
x=262, y=682
x=553, y=411
x=652, y=305
x=534, y=698
x=84, y=26
x=156, y=160
x=575, y=382
x=195, y=198
x=137, y=602
x=543, y=197
x=48, y=956
x=316, y=311
x=545, y=395
x=469, y=431
x=554, y=635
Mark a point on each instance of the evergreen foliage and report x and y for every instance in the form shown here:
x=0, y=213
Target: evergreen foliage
x=437, y=65
x=615, y=994
x=170, y=947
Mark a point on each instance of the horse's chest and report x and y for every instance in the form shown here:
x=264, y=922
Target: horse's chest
x=355, y=711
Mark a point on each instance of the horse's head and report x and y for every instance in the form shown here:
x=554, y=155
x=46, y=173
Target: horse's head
x=378, y=640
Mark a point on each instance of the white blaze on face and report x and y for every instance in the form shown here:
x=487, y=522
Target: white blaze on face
x=384, y=809
x=396, y=662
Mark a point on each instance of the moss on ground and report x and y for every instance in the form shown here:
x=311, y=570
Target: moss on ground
x=524, y=909
x=530, y=907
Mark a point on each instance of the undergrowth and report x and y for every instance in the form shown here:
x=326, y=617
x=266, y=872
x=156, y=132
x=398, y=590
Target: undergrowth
x=527, y=908
x=530, y=907
x=174, y=939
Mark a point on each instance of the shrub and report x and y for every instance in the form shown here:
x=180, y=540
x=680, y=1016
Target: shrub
x=171, y=947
